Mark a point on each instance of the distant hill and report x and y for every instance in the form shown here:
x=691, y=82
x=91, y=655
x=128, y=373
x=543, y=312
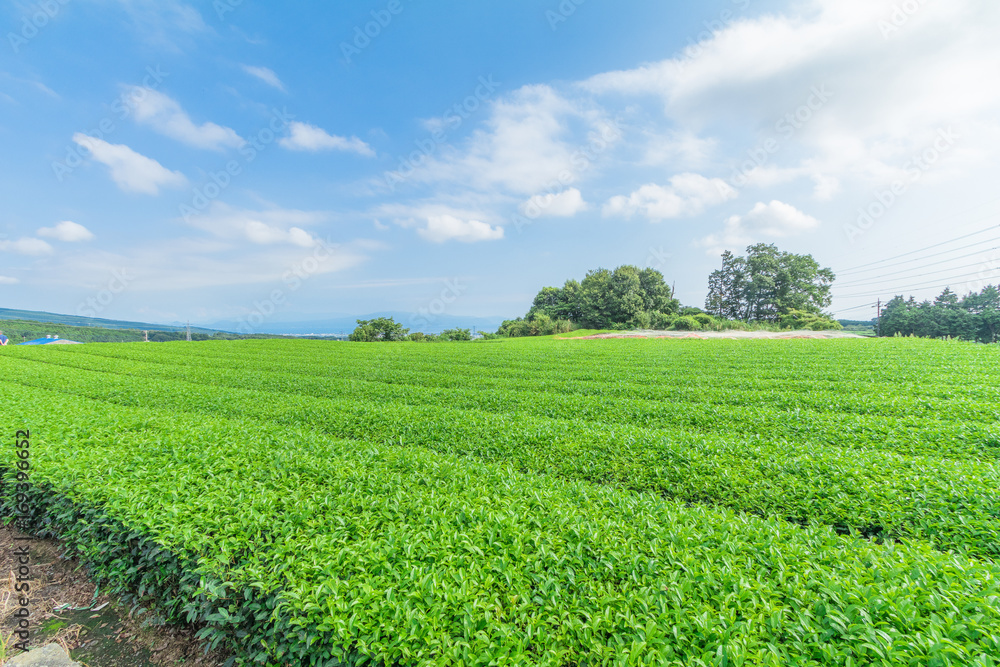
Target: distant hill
x=345, y=324
x=77, y=321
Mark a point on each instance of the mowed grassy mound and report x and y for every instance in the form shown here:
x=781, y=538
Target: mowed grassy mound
x=531, y=501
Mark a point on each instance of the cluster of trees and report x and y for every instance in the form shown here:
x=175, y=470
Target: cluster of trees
x=628, y=297
x=769, y=285
x=767, y=288
x=386, y=329
x=974, y=317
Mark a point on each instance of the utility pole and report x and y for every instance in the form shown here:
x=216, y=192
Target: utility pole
x=878, y=319
x=145, y=333
x=189, y=331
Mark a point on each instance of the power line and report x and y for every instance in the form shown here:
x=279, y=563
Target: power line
x=907, y=287
x=869, y=281
x=847, y=310
x=917, y=259
x=949, y=217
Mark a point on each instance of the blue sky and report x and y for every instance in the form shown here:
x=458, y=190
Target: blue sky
x=242, y=161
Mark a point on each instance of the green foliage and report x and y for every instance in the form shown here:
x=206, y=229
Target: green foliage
x=536, y=502
x=456, y=334
x=974, y=317
x=538, y=325
x=380, y=329
x=685, y=323
x=626, y=298
x=767, y=284
x=799, y=319
x=704, y=319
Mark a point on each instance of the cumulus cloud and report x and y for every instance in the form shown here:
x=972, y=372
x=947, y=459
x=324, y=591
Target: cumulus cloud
x=165, y=115
x=687, y=194
x=131, y=171
x=441, y=228
x=266, y=75
x=849, y=89
x=532, y=139
x=266, y=227
x=563, y=204
x=26, y=246
x=305, y=137
x=439, y=222
x=774, y=220
x=67, y=231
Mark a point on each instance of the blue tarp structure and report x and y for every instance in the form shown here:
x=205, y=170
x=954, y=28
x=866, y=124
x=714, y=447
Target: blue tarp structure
x=51, y=341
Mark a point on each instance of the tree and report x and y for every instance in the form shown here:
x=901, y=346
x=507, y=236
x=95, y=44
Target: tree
x=767, y=284
x=380, y=329
x=456, y=334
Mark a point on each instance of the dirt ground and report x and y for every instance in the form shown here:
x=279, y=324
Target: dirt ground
x=94, y=628
x=721, y=334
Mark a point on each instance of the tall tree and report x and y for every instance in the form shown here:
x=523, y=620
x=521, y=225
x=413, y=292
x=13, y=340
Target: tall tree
x=766, y=284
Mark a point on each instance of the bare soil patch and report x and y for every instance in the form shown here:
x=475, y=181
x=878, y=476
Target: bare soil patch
x=96, y=629
x=773, y=335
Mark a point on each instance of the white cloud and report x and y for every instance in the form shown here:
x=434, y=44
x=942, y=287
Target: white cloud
x=884, y=92
x=564, y=204
x=305, y=137
x=441, y=228
x=67, y=231
x=533, y=139
x=26, y=246
x=132, y=171
x=267, y=227
x=166, y=116
x=774, y=220
x=266, y=75
x=7, y=280
x=439, y=222
x=687, y=194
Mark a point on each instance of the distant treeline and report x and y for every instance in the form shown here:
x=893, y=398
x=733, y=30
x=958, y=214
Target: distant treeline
x=19, y=331
x=974, y=317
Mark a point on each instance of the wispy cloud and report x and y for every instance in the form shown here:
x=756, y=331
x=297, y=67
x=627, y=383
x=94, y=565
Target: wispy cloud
x=165, y=115
x=265, y=227
x=67, y=231
x=305, y=137
x=26, y=246
x=131, y=171
x=266, y=75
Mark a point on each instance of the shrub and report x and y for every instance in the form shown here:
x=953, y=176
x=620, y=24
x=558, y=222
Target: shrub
x=704, y=319
x=661, y=321
x=685, y=323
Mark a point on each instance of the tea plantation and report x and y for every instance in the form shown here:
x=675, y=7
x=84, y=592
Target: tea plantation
x=529, y=501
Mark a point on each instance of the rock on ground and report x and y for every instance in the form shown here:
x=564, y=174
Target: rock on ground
x=50, y=655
